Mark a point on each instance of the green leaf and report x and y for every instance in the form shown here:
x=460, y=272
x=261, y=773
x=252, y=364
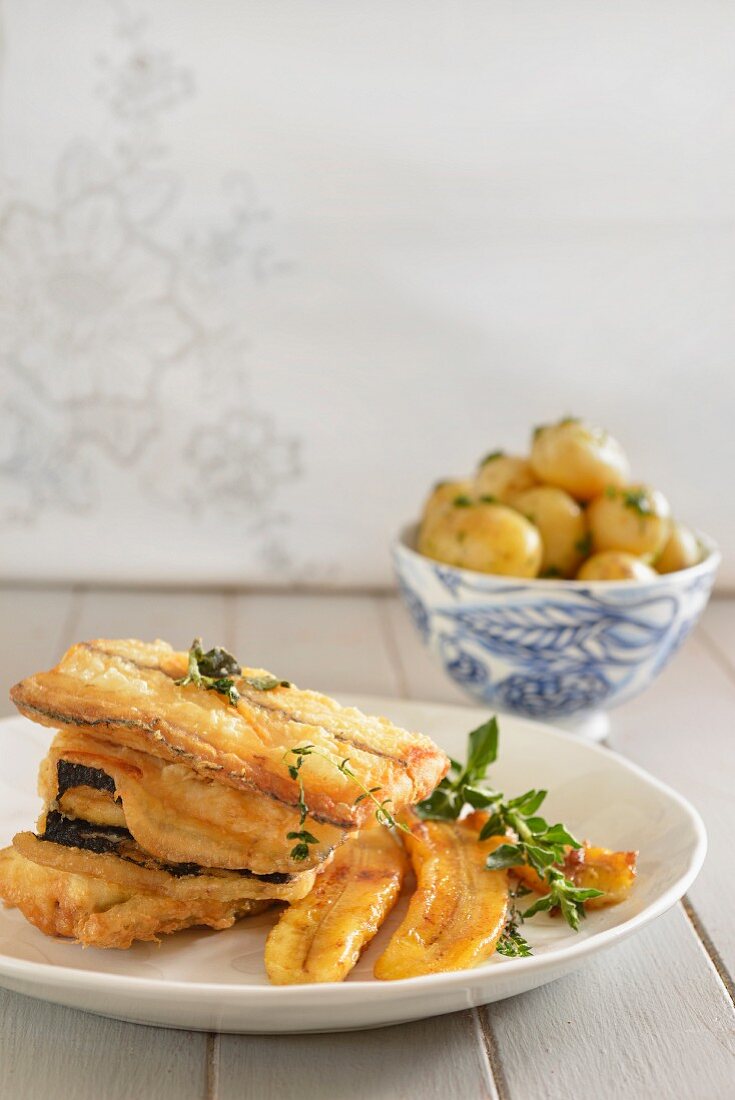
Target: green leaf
x=478, y=798
x=506, y=855
x=512, y=944
x=541, y=905
x=559, y=834
x=218, y=662
x=483, y=749
x=491, y=457
x=442, y=804
x=494, y=826
x=529, y=802
x=539, y=857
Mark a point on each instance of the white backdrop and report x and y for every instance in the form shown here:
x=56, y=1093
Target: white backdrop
x=268, y=270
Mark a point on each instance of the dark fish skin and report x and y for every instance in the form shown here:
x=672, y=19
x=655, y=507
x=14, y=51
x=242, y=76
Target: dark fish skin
x=72, y=832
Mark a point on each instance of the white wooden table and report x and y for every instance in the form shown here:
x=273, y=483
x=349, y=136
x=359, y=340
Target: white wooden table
x=653, y=1017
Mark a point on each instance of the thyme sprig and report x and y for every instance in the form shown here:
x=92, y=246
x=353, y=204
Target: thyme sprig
x=383, y=815
x=215, y=669
x=512, y=943
x=532, y=840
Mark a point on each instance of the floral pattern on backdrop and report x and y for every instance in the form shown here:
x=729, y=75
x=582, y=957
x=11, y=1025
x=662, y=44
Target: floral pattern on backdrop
x=105, y=323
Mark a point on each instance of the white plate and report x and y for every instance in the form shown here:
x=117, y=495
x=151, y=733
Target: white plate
x=216, y=980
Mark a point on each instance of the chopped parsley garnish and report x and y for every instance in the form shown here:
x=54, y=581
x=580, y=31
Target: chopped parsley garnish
x=639, y=501
x=583, y=546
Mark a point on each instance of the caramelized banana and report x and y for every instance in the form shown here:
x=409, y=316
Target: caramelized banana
x=321, y=937
x=459, y=909
x=591, y=868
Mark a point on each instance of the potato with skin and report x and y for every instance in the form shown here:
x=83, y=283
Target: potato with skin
x=578, y=457
x=443, y=496
x=681, y=551
x=488, y=538
x=562, y=525
x=635, y=519
x=615, y=565
x=502, y=476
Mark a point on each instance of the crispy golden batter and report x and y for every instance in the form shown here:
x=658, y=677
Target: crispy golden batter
x=126, y=691
x=133, y=869
x=459, y=908
x=180, y=816
x=321, y=937
x=103, y=914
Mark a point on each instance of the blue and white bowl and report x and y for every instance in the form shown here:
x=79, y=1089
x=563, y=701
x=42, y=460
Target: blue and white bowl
x=548, y=649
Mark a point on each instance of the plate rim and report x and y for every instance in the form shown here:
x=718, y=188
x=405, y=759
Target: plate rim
x=64, y=976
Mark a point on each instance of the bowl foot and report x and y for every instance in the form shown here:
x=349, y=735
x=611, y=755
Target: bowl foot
x=590, y=727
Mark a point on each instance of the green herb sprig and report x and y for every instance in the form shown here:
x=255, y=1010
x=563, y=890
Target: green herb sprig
x=538, y=844
x=512, y=943
x=215, y=669
x=383, y=815
x=460, y=788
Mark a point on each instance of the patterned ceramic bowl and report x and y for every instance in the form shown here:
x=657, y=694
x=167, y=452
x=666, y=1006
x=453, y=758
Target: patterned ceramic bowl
x=547, y=649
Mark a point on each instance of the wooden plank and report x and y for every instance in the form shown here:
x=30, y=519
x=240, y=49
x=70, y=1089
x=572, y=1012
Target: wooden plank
x=176, y=616
x=50, y=1051
x=681, y=729
x=648, y=1019
x=33, y=625
x=434, y=1059
x=331, y=643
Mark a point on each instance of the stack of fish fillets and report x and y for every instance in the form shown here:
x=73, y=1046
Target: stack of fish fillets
x=172, y=800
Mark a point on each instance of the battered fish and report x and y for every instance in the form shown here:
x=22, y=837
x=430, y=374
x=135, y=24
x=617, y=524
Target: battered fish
x=98, y=913
x=126, y=691
x=173, y=812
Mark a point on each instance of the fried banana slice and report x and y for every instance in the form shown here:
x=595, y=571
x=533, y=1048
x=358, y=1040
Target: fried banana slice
x=174, y=813
x=592, y=869
x=458, y=910
x=321, y=937
x=96, y=913
x=127, y=692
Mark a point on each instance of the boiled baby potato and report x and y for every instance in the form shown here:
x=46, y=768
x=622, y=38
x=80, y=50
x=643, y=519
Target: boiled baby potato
x=681, y=551
x=441, y=499
x=489, y=538
x=634, y=519
x=615, y=565
x=502, y=476
x=578, y=457
x=444, y=494
x=562, y=525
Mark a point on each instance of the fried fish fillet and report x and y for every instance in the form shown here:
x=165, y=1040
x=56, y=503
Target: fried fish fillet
x=459, y=908
x=111, y=855
x=126, y=691
x=98, y=913
x=173, y=812
x=321, y=937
